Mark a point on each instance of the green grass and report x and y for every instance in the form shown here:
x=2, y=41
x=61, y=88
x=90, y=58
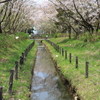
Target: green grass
x=87, y=88
x=10, y=51
x=55, y=35
x=22, y=86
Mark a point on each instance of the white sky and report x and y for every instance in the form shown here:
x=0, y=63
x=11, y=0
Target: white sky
x=40, y=1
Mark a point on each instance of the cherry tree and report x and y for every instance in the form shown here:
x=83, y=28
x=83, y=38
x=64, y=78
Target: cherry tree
x=4, y=1
x=79, y=15
x=16, y=15
x=44, y=18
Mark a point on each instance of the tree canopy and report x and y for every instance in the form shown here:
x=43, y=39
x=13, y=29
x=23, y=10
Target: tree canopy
x=16, y=15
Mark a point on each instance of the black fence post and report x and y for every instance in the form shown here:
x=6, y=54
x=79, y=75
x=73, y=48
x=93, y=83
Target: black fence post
x=1, y=89
x=21, y=60
x=23, y=54
x=11, y=81
x=65, y=54
x=76, y=61
x=16, y=70
x=87, y=68
x=70, y=57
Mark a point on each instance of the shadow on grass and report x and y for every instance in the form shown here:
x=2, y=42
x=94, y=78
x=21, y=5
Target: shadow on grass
x=65, y=40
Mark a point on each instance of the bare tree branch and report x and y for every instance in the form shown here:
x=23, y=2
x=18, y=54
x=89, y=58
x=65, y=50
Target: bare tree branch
x=5, y=1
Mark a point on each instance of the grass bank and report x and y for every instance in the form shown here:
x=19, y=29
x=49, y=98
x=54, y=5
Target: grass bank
x=86, y=88
x=10, y=51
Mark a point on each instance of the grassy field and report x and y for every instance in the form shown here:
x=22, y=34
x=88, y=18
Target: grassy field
x=10, y=51
x=86, y=88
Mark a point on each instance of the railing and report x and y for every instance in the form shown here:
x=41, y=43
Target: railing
x=14, y=71
x=70, y=57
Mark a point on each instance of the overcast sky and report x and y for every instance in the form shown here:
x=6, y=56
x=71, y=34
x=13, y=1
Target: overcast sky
x=40, y=1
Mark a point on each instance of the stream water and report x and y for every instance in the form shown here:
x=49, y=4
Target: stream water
x=46, y=84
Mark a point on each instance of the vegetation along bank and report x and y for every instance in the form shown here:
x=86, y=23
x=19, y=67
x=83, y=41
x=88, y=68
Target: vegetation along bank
x=11, y=48
x=86, y=85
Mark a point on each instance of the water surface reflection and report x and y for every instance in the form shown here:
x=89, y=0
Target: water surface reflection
x=46, y=85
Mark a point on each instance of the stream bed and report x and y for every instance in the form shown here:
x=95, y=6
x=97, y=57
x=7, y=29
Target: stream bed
x=46, y=84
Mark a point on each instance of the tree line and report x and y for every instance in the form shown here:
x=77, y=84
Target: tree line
x=15, y=15
x=78, y=16
x=73, y=16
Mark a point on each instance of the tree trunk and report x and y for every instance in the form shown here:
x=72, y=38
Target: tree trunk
x=69, y=31
x=98, y=24
x=77, y=36
x=91, y=30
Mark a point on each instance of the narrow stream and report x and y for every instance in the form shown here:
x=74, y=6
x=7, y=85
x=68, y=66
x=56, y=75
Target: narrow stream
x=46, y=85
